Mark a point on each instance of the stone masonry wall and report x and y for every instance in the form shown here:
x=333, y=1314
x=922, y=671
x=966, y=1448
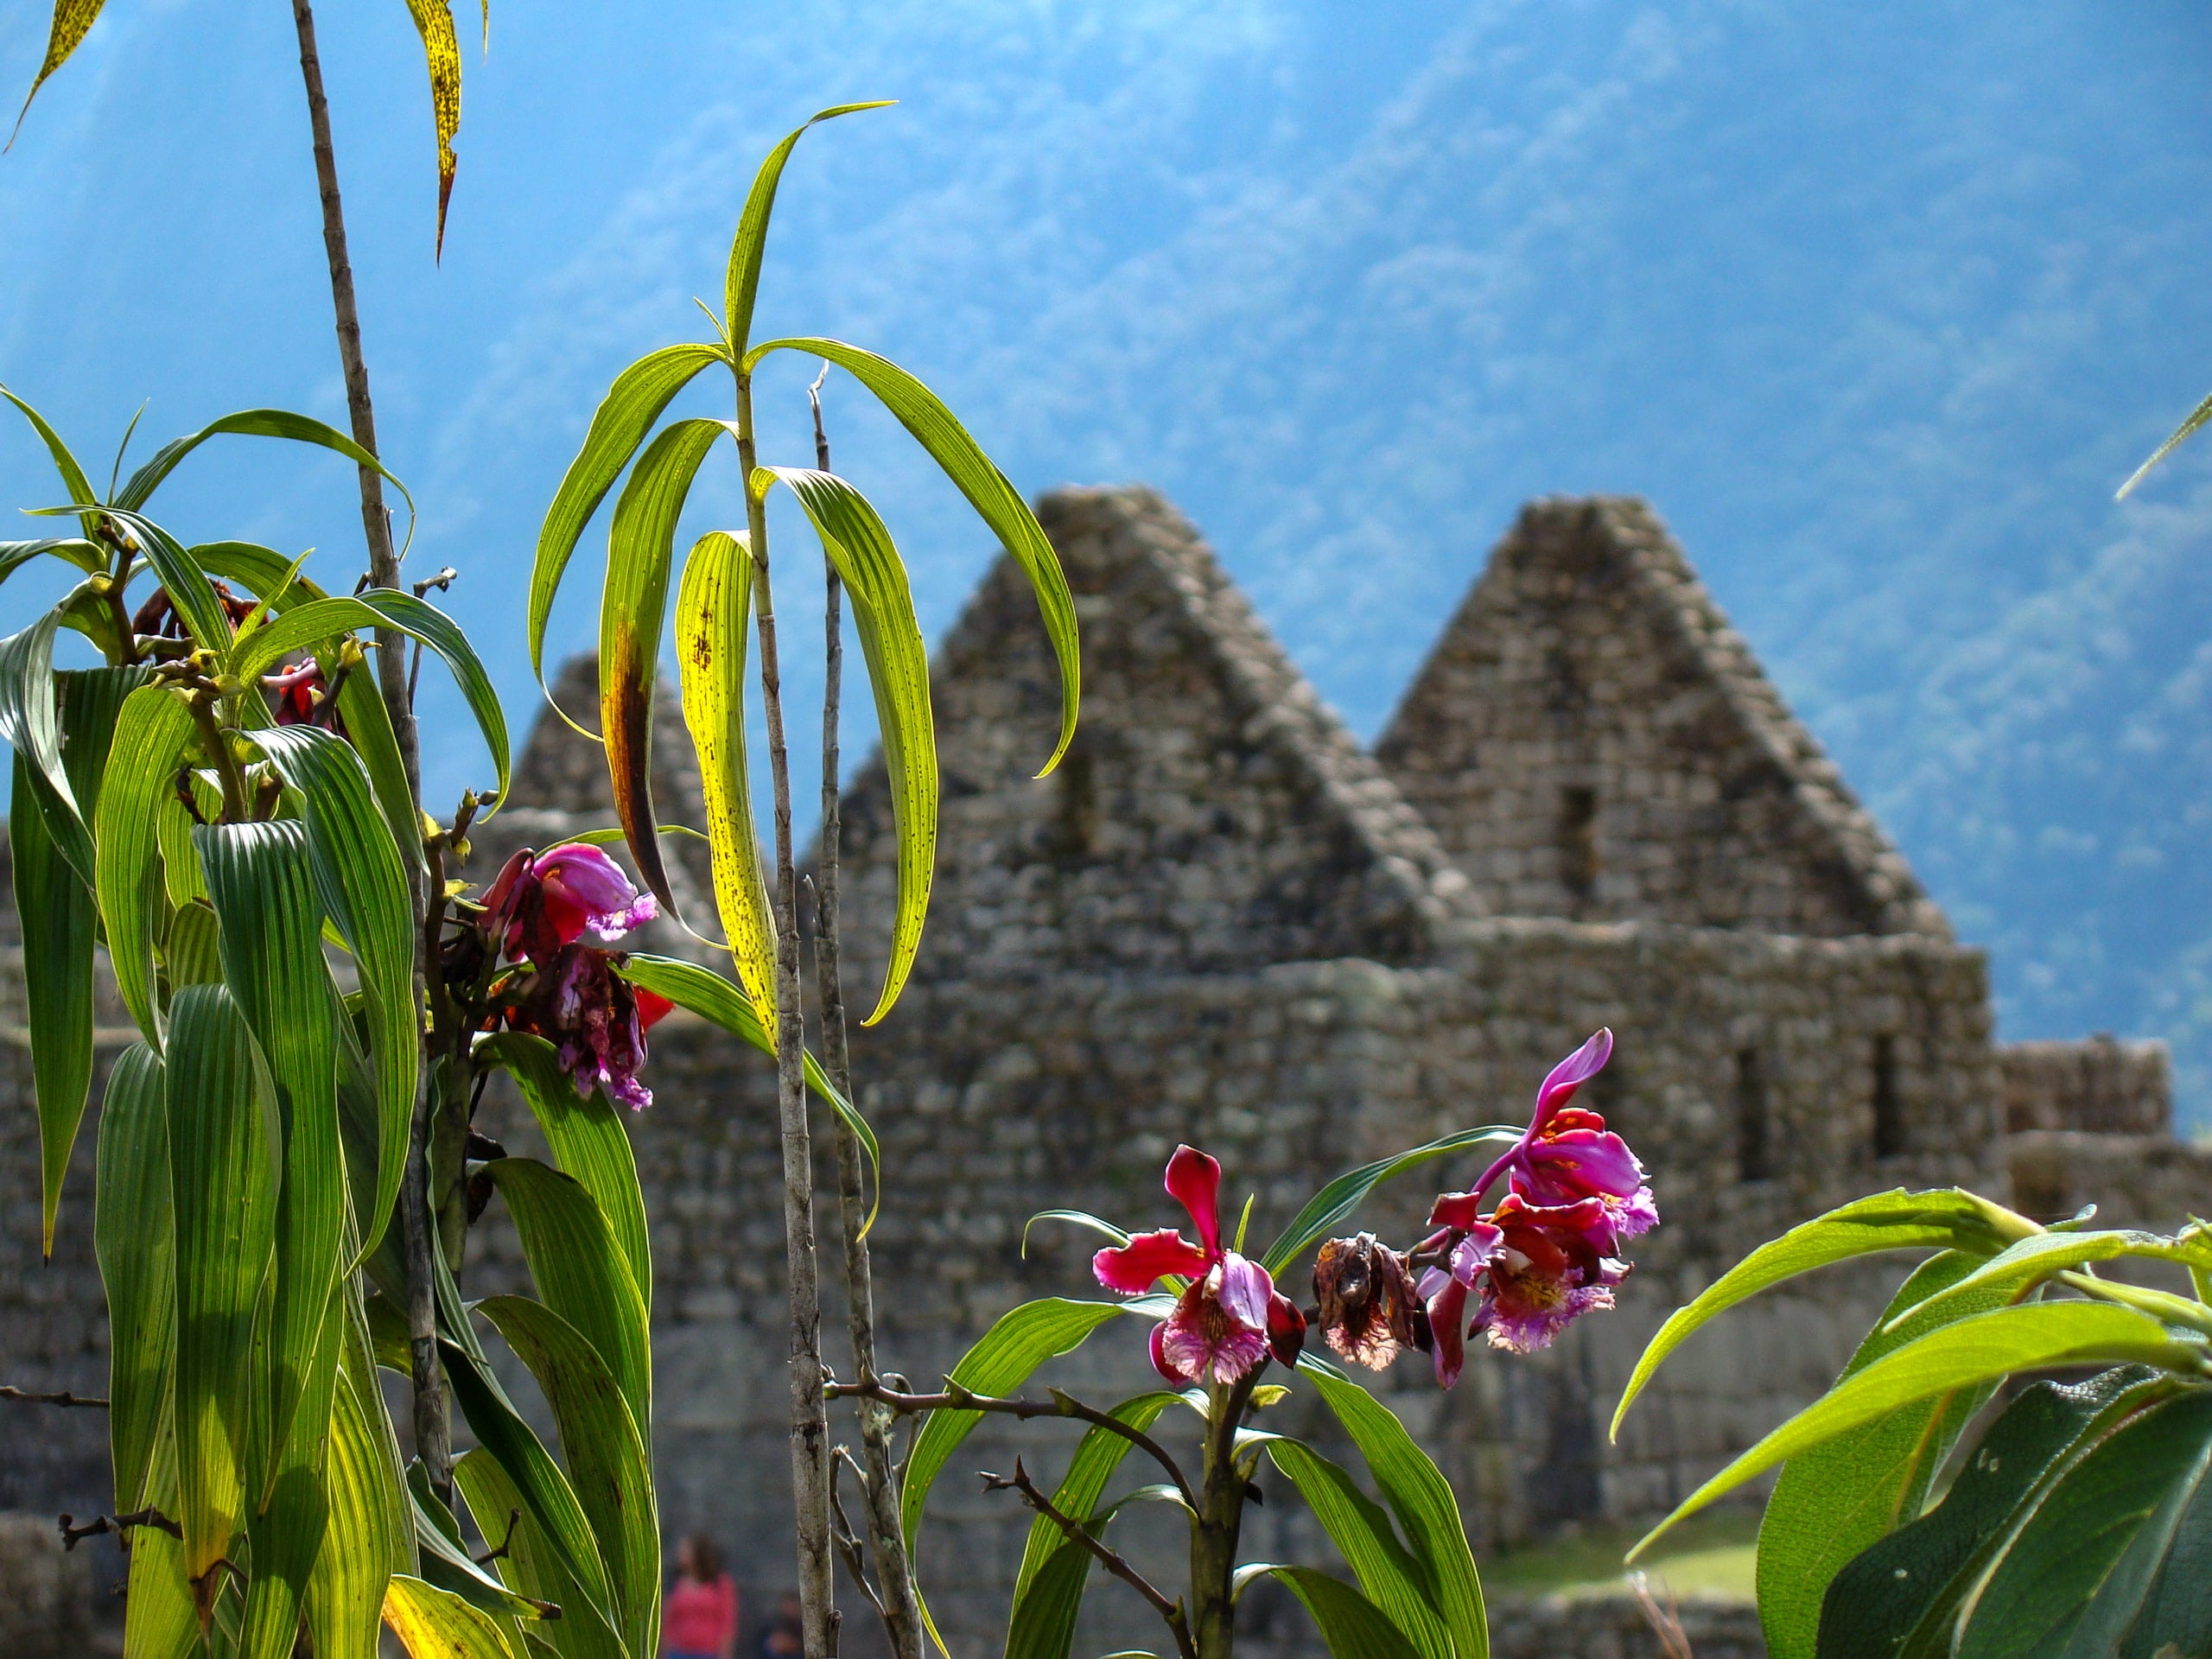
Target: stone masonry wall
x=2100, y=1086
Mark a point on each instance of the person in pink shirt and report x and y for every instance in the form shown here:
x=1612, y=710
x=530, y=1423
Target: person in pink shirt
x=699, y=1619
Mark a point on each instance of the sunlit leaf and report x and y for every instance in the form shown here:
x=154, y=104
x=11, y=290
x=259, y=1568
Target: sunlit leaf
x=535, y=1565
x=139, y=488
x=367, y=1534
x=134, y=1236
x=433, y=22
x=150, y=733
x=434, y=1623
x=742, y=284
x=1351, y=1626
x=713, y=609
x=2180, y=436
x=1388, y=1575
x=59, y=921
x=996, y=500
x=640, y=545
x=73, y=475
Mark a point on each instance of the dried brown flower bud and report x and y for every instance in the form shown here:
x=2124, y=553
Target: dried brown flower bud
x=1368, y=1308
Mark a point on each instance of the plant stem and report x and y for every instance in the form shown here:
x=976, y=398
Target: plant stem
x=1221, y=1517
x=902, y=1614
x=809, y=1421
x=433, y=1427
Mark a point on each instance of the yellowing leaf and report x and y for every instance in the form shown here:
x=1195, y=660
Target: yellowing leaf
x=434, y=21
x=73, y=21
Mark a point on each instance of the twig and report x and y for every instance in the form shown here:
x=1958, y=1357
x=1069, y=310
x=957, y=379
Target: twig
x=514, y=1520
x=841, y=1530
x=1111, y=1559
x=73, y=1535
x=63, y=1398
x=1673, y=1642
x=1062, y=1404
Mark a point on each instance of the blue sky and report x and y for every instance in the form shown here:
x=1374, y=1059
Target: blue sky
x=1876, y=303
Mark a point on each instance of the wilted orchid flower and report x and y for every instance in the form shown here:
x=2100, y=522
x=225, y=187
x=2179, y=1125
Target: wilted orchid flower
x=542, y=902
x=596, y=1019
x=1231, y=1316
x=298, y=693
x=1368, y=1308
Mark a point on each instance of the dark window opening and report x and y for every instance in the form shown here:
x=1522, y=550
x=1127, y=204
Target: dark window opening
x=1889, y=1110
x=1752, y=1141
x=1578, y=840
x=1075, y=834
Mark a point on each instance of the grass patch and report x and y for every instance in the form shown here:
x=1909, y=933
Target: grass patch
x=1712, y=1554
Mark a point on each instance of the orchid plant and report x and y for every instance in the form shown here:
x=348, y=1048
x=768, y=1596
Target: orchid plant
x=1517, y=1273
x=2076, y=1521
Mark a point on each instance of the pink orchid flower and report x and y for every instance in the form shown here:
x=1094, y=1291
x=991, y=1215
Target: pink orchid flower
x=542, y=902
x=596, y=1019
x=1231, y=1317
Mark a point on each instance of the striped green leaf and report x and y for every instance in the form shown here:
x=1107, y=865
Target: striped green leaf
x=534, y=1564
x=261, y=882
x=581, y=1271
x=181, y=576
x=134, y=1234
x=1351, y=1626
x=287, y=1531
x=1896, y=1220
x=742, y=284
x=193, y=952
x=1420, y=1499
x=139, y=488
x=588, y=1139
x=713, y=609
x=1328, y=1210
x=159, y=1621
x=59, y=922
x=631, y=409
x=368, y=1536
x=856, y=542
x=996, y=501
x=322, y=620
x=563, y=1563
x=73, y=475
x=1388, y=1575
x=364, y=890
x=73, y=549
x=640, y=546
x=431, y=1622
x=608, y=1464
x=150, y=734
x=30, y=723
x=446, y=1560
x=223, y=1134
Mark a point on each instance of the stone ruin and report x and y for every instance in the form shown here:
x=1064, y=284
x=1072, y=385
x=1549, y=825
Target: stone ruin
x=1222, y=920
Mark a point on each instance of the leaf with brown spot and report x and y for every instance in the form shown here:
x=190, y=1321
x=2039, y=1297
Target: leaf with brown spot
x=73, y=21
x=441, y=47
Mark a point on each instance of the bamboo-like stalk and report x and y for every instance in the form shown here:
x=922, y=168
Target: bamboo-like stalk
x=433, y=1426
x=902, y=1614
x=810, y=1431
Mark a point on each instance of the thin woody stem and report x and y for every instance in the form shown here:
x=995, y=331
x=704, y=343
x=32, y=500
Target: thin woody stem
x=64, y=1398
x=1111, y=1559
x=1062, y=1404
x=897, y=1603
x=809, y=1432
x=432, y=1425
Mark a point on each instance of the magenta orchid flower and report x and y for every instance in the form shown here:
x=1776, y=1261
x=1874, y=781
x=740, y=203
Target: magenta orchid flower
x=543, y=902
x=595, y=1019
x=1230, y=1317
x=1567, y=1154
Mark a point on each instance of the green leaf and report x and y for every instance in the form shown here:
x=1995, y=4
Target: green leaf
x=134, y=1234
x=431, y=1622
x=640, y=545
x=363, y=887
x=2041, y=1255
x=287, y=1532
x=2114, y=1559
x=742, y=285
x=1419, y=1497
x=1352, y=1626
x=2180, y=434
x=1900, y=1596
x=1835, y=1500
x=2037, y=1336
x=533, y=1565
x=138, y=489
x=1388, y=1574
x=73, y=475
x=186, y=583
x=587, y=1140
x=996, y=501
x=222, y=1112
x=713, y=607
x=1897, y=1220
x=72, y=549
x=1048, y=1589
x=321, y=619
x=59, y=922
x=446, y=1560
x=854, y=540
x=554, y=1528
x=159, y=1621
x=581, y=1271
x=1004, y=1359
x=192, y=953
x=1105, y=1229
x=631, y=409
x=707, y=994
x=1334, y=1205
x=261, y=883
x=31, y=722
x=150, y=733
x=608, y=1465
x=368, y=1534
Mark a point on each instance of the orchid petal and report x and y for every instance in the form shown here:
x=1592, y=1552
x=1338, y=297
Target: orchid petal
x=1476, y=1251
x=1194, y=1182
x=1570, y=1074
x=1447, y=1324
x=1562, y=1167
x=1160, y=1355
x=1134, y=1268
x=1245, y=1288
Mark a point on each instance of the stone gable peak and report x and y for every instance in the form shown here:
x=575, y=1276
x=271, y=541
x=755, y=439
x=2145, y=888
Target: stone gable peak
x=1590, y=738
